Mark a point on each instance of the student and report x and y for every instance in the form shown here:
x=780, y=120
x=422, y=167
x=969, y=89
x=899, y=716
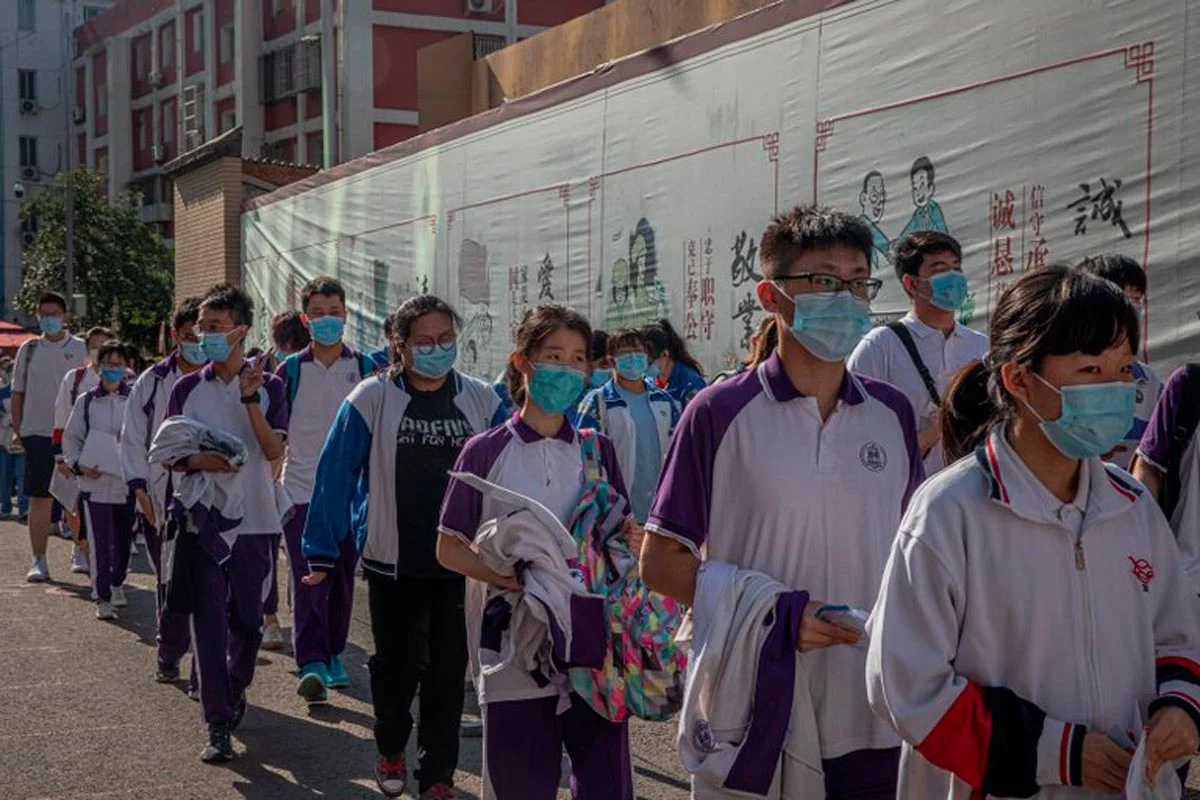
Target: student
x=600, y=366
x=316, y=380
x=672, y=367
x=1033, y=605
x=537, y=454
x=12, y=457
x=149, y=484
x=800, y=469
x=1131, y=278
x=763, y=342
x=383, y=356
x=238, y=398
x=78, y=381
x=919, y=353
x=105, y=509
x=41, y=364
x=395, y=438
x=289, y=335
x=638, y=417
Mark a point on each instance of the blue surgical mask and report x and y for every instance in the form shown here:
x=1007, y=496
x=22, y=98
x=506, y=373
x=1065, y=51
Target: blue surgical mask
x=192, y=353
x=216, y=347
x=327, y=330
x=51, y=326
x=1095, y=418
x=600, y=377
x=830, y=324
x=948, y=290
x=434, y=361
x=112, y=374
x=555, y=387
x=633, y=366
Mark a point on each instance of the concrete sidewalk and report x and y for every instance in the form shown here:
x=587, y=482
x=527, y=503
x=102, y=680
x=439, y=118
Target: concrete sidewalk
x=81, y=715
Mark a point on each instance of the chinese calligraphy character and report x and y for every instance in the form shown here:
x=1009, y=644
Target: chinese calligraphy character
x=1037, y=203
x=744, y=257
x=1002, y=259
x=1105, y=207
x=745, y=312
x=1002, y=209
x=544, y=275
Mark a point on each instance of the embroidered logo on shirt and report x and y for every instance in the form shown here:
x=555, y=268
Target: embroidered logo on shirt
x=351, y=377
x=1143, y=571
x=702, y=737
x=873, y=456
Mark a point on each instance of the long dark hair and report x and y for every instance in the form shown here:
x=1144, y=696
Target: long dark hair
x=663, y=338
x=1054, y=311
x=766, y=339
x=538, y=325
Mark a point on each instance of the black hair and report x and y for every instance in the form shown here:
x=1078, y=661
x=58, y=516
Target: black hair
x=224, y=297
x=867, y=180
x=1053, y=311
x=288, y=332
x=810, y=227
x=53, y=297
x=253, y=353
x=538, y=325
x=599, y=347
x=324, y=286
x=126, y=351
x=649, y=276
x=419, y=306
x=187, y=313
x=912, y=249
x=1121, y=270
x=626, y=338
x=764, y=342
x=661, y=338
x=922, y=164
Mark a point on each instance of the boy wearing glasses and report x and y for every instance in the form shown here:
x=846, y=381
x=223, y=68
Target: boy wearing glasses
x=920, y=353
x=316, y=380
x=799, y=470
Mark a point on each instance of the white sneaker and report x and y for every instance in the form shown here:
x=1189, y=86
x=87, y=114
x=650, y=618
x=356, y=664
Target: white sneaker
x=105, y=610
x=39, y=572
x=273, y=638
x=79, y=562
x=118, y=597
x=133, y=548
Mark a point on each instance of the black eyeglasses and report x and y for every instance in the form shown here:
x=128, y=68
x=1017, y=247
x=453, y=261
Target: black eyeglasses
x=824, y=282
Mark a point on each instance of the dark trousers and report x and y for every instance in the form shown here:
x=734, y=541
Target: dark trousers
x=321, y=613
x=109, y=526
x=271, y=604
x=420, y=640
x=863, y=775
x=174, y=629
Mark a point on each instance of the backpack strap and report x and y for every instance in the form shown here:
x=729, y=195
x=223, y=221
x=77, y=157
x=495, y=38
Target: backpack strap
x=148, y=409
x=77, y=380
x=592, y=468
x=905, y=336
x=291, y=377
x=87, y=411
x=366, y=365
x=1186, y=421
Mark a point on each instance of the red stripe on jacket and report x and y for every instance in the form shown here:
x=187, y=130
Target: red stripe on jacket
x=959, y=742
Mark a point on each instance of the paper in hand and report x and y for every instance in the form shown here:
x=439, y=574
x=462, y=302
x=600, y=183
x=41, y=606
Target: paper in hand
x=853, y=619
x=1166, y=784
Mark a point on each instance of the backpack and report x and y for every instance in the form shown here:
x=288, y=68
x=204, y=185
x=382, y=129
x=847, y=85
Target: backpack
x=643, y=672
x=291, y=372
x=1186, y=422
x=76, y=381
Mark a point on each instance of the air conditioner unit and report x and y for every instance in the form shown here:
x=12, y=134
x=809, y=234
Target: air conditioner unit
x=481, y=6
x=30, y=173
x=156, y=79
x=30, y=107
x=27, y=238
x=79, y=115
x=158, y=153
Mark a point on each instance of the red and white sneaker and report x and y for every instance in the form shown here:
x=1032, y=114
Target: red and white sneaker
x=439, y=791
x=391, y=774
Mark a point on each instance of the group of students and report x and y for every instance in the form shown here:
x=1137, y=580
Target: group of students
x=1003, y=611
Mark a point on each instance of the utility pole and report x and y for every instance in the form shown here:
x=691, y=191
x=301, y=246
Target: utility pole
x=510, y=20
x=69, y=199
x=329, y=132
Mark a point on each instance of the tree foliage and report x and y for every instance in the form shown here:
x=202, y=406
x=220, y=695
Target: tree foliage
x=122, y=266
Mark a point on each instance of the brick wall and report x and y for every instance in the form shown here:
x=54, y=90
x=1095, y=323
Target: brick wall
x=208, y=203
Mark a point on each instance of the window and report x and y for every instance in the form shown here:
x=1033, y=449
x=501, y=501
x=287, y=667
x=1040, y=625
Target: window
x=142, y=144
x=27, y=79
x=102, y=102
x=102, y=161
x=91, y=12
x=274, y=151
x=228, y=120
x=26, y=15
x=198, y=33
x=168, y=123
x=276, y=7
x=227, y=43
x=29, y=151
x=316, y=149
x=166, y=49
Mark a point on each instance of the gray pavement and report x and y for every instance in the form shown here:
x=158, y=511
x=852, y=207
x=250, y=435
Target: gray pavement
x=81, y=715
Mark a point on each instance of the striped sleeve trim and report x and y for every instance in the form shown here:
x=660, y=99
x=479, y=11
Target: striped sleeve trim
x=659, y=530
x=1060, y=754
x=1181, y=695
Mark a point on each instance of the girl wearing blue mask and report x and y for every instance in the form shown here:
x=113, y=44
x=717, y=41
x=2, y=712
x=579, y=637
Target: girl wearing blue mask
x=537, y=454
x=1033, y=620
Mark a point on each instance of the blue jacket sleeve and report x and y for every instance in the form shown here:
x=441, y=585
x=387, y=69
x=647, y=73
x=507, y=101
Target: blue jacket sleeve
x=336, y=490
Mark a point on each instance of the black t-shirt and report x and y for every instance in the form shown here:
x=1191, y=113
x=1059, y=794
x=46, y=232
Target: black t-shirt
x=431, y=434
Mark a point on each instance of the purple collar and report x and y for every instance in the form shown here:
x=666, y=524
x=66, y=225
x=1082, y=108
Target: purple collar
x=528, y=435
x=307, y=353
x=781, y=388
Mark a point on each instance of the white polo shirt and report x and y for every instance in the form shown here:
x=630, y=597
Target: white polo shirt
x=104, y=412
x=320, y=391
x=755, y=479
x=38, y=371
x=204, y=397
x=881, y=355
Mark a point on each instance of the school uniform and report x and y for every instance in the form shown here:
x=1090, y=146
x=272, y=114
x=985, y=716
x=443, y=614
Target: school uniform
x=882, y=356
x=12, y=458
x=1010, y=624
x=315, y=392
x=73, y=384
x=144, y=413
x=228, y=587
x=683, y=384
x=37, y=374
x=107, y=514
x=754, y=478
x=523, y=729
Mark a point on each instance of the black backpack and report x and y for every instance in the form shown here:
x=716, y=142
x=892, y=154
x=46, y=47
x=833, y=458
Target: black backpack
x=1186, y=422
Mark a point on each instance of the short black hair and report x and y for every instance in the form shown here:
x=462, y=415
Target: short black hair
x=922, y=164
x=810, y=227
x=322, y=285
x=187, y=313
x=912, y=249
x=288, y=332
x=599, y=347
x=225, y=297
x=418, y=306
x=626, y=338
x=53, y=297
x=1121, y=270
x=125, y=351
x=872, y=174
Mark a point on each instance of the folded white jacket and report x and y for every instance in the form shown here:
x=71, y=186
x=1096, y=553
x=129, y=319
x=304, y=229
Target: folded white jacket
x=180, y=437
x=747, y=727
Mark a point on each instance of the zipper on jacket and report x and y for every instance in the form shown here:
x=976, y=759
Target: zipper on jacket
x=1095, y=701
x=1080, y=561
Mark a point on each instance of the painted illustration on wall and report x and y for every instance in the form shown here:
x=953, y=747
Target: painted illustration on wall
x=927, y=214
x=872, y=200
x=636, y=296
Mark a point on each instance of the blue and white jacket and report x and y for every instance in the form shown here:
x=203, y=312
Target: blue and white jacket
x=358, y=463
x=684, y=383
x=606, y=410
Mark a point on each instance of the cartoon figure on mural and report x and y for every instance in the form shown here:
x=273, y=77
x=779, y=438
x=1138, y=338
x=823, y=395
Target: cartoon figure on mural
x=636, y=297
x=873, y=200
x=927, y=214
x=475, y=348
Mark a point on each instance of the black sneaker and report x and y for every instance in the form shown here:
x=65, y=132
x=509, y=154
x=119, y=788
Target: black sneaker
x=239, y=711
x=167, y=673
x=220, y=747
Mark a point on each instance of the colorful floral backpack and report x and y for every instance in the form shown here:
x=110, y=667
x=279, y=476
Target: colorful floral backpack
x=643, y=672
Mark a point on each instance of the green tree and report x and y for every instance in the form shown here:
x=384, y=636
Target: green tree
x=122, y=266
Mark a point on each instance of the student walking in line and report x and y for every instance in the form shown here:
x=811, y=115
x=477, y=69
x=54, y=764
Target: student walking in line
x=40, y=366
x=538, y=454
x=106, y=511
x=12, y=457
x=394, y=440
x=149, y=483
x=672, y=367
x=1034, y=622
